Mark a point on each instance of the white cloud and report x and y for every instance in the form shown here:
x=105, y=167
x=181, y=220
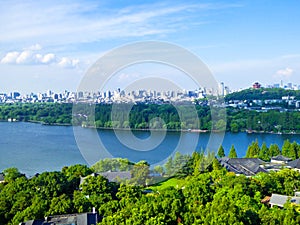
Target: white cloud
x=31, y=57
x=68, y=63
x=10, y=57
x=284, y=73
x=34, y=47
x=48, y=58
x=237, y=73
x=24, y=57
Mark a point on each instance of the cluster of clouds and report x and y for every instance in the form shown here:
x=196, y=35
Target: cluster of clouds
x=285, y=73
x=33, y=56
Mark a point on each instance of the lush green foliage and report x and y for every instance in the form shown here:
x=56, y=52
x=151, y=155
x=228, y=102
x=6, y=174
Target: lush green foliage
x=290, y=150
x=49, y=113
x=209, y=196
x=221, y=152
x=232, y=152
x=145, y=116
x=22, y=199
x=271, y=121
x=115, y=164
x=262, y=94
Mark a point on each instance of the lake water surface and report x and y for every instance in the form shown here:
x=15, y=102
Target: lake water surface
x=36, y=148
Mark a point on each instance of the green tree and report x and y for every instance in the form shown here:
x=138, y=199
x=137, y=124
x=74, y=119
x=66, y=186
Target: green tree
x=60, y=205
x=286, y=148
x=234, y=127
x=274, y=150
x=264, y=152
x=140, y=173
x=253, y=150
x=169, y=166
x=180, y=161
x=216, y=165
x=232, y=152
x=11, y=174
x=81, y=202
x=37, y=209
x=221, y=125
x=221, y=152
x=74, y=173
x=158, y=169
x=293, y=152
x=98, y=190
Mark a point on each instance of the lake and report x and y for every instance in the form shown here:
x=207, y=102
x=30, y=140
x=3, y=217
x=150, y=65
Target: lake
x=32, y=147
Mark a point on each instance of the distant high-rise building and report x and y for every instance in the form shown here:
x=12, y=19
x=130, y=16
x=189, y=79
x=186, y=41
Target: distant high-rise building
x=49, y=93
x=227, y=90
x=15, y=94
x=222, y=89
x=39, y=96
x=281, y=83
x=80, y=94
x=107, y=94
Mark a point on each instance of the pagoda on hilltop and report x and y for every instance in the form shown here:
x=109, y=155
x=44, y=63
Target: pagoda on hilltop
x=256, y=85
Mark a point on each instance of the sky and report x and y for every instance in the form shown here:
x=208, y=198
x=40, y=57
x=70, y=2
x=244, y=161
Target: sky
x=52, y=44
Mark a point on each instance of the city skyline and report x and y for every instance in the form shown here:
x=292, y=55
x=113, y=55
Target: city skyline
x=50, y=44
x=131, y=95
x=222, y=87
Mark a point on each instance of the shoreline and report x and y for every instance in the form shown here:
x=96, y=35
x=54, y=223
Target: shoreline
x=148, y=129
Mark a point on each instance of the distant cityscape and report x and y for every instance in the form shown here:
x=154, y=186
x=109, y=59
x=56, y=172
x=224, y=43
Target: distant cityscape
x=137, y=96
x=105, y=97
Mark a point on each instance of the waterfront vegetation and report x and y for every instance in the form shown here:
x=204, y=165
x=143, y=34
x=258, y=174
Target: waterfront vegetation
x=263, y=94
x=194, y=190
x=264, y=152
x=192, y=196
x=145, y=116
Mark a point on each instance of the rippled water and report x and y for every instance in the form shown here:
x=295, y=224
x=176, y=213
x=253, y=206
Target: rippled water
x=36, y=148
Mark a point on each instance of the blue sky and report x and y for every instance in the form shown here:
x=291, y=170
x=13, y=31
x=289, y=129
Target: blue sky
x=51, y=44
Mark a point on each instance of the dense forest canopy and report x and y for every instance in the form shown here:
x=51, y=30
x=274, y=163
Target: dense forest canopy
x=192, y=196
x=262, y=94
x=145, y=116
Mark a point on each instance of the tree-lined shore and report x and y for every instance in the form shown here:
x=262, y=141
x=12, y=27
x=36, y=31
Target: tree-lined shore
x=166, y=116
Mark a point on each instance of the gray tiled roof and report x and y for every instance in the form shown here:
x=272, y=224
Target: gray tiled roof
x=295, y=164
x=69, y=219
x=280, y=200
x=281, y=158
x=33, y=222
x=64, y=219
x=246, y=166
